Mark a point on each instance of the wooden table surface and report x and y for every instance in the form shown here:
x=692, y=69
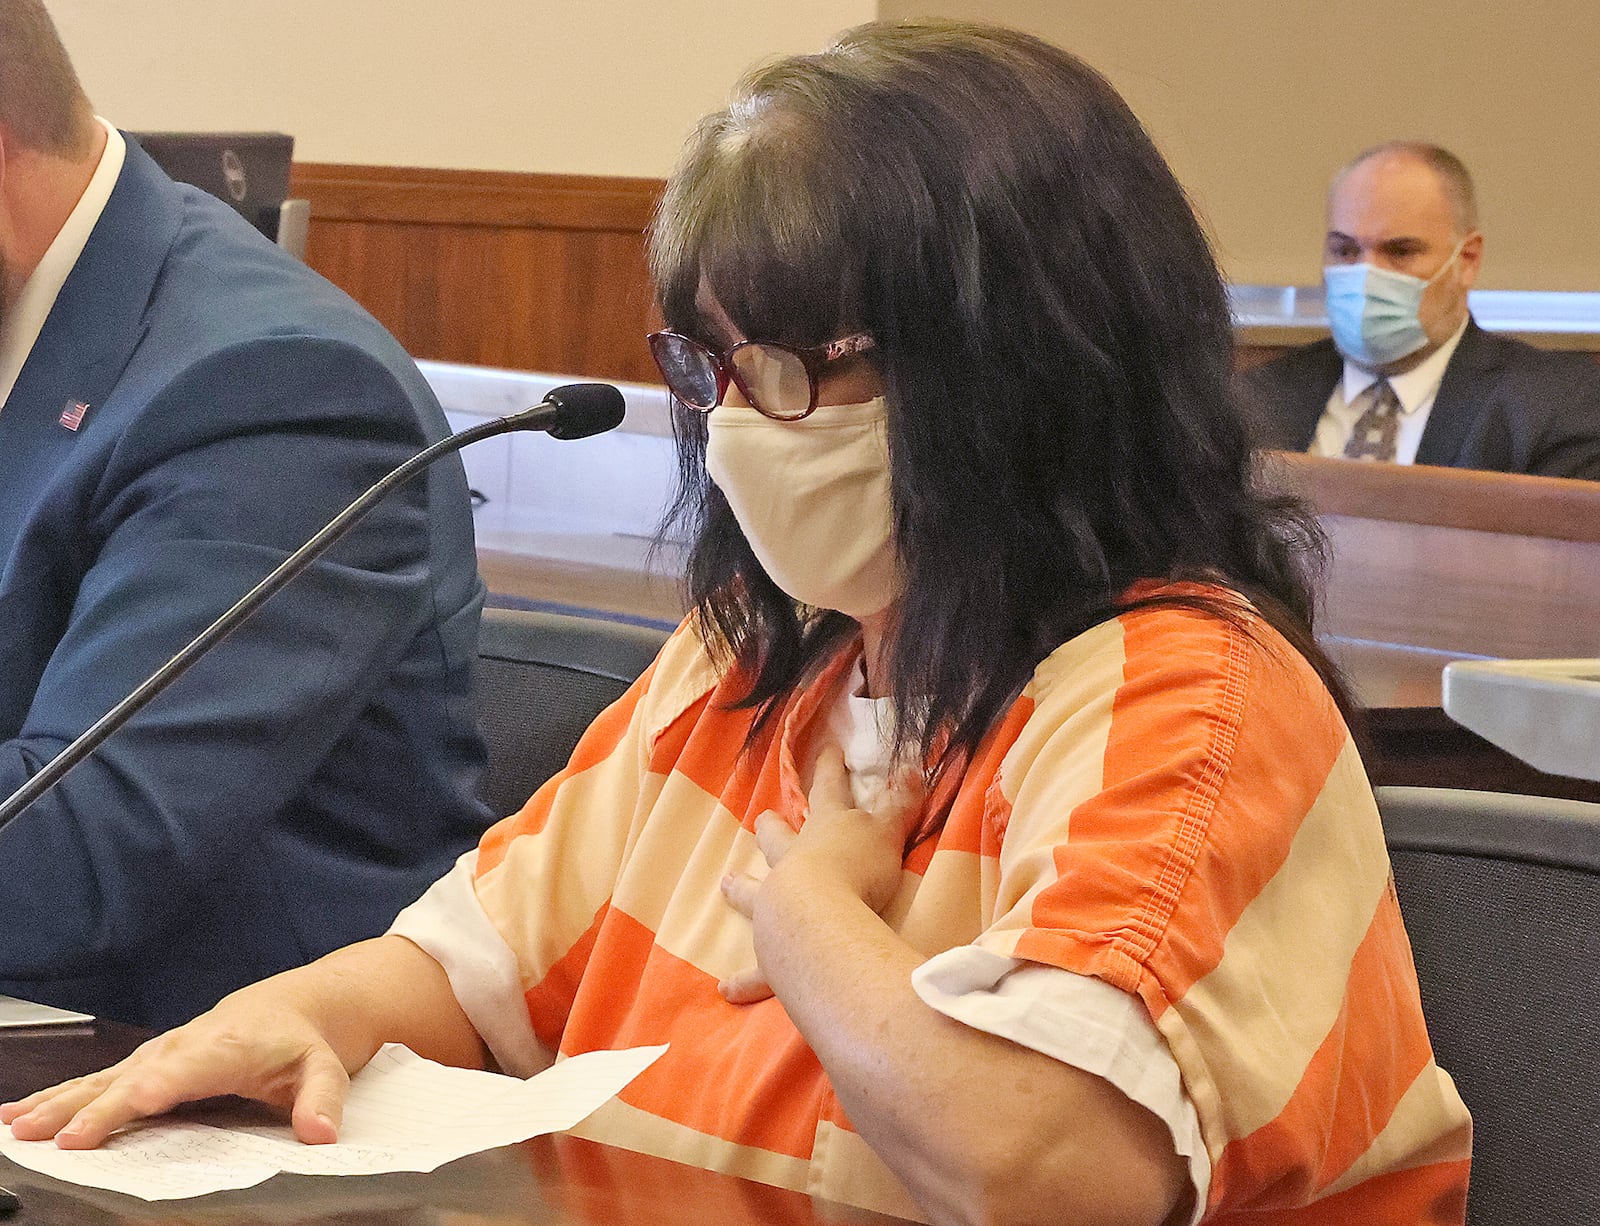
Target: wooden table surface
x=548, y=1181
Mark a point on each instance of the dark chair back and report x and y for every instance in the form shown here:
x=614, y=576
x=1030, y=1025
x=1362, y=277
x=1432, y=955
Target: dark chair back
x=542, y=678
x=1501, y=898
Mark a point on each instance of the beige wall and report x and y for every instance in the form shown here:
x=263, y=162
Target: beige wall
x=568, y=86
x=1255, y=101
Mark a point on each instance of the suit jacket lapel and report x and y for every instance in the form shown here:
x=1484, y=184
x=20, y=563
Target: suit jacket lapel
x=1305, y=400
x=1460, y=397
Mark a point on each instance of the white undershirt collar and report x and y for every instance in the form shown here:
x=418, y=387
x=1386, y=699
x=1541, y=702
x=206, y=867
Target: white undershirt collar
x=20, y=327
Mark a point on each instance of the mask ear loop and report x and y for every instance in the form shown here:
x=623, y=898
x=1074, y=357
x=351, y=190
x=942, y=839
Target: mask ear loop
x=1453, y=256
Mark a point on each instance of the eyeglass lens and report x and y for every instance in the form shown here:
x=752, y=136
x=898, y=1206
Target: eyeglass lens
x=690, y=371
x=774, y=379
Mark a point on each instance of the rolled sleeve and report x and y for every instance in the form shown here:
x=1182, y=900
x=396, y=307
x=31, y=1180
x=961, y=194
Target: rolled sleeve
x=448, y=924
x=1078, y=1020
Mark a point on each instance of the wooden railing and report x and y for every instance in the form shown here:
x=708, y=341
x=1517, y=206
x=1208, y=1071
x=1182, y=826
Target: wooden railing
x=1434, y=564
x=1446, y=560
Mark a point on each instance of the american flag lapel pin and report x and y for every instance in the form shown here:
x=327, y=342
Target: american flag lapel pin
x=72, y=414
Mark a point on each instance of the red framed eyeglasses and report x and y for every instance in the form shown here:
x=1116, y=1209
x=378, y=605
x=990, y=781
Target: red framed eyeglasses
x=779, y=381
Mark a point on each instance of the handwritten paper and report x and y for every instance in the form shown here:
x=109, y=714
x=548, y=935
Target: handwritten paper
x=404, y=1113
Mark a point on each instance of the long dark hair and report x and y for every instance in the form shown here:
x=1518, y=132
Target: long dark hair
x=1053, y=339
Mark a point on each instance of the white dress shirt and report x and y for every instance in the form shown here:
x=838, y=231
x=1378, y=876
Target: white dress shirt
x=20, y=326
x=1416, y=389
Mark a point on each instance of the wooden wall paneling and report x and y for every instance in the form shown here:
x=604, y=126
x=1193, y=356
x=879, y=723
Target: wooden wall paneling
x=530, y=272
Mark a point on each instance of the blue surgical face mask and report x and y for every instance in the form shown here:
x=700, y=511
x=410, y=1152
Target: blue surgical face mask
x=1374, y=313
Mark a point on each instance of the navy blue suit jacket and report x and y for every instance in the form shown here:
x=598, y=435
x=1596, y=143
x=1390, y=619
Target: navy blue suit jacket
x=318, y=769
x=1503, y=406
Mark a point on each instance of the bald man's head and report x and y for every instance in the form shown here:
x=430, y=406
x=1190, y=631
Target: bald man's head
x=1408, y=208
x=1450, y=174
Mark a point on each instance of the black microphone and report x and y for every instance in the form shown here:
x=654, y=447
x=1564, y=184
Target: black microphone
x=576, y=410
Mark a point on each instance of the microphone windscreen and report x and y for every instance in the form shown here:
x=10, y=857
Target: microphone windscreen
x=583, y=409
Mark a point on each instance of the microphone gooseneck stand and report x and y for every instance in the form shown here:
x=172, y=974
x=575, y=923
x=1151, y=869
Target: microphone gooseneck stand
x=574, y=411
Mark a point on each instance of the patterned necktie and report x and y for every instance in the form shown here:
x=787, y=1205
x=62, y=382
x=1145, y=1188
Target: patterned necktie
x=1374, y=435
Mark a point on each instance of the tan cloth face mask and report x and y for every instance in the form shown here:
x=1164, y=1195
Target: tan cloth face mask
x=812, y=497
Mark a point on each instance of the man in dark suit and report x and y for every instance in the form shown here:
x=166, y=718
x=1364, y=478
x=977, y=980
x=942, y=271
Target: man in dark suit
x=181, y=406
x=1408, y=376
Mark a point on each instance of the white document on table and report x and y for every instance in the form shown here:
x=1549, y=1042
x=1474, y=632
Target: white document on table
x=16, y=1012
x=404, y=1113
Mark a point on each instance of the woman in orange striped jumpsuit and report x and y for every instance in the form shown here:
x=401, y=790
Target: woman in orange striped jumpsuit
x=988, y=844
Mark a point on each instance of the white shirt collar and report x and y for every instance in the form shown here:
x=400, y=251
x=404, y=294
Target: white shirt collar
x=1413, y=388
x=22, y=324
